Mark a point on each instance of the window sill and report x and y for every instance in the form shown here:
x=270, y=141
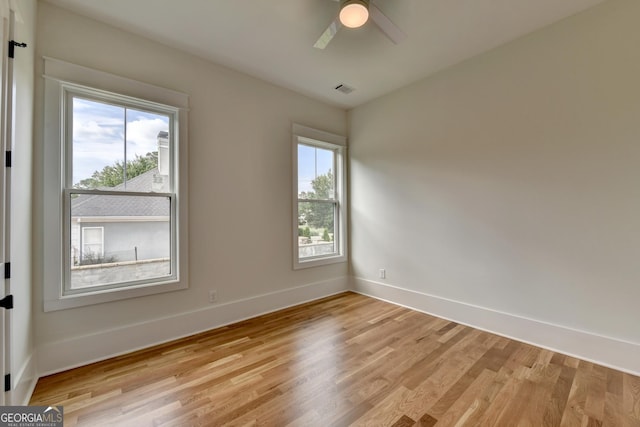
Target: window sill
x=316, y=262
x=99, y=297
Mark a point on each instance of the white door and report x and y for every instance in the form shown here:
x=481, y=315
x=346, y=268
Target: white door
x=5, y=182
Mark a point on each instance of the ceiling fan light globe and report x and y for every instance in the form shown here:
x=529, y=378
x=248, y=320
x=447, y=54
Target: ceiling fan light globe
x=354, y=14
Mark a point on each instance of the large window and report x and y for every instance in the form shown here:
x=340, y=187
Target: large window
x=119, y=163
x=319, y=188
x=116, y=191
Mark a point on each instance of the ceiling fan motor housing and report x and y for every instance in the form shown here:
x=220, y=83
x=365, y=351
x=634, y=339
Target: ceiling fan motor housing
x=354, y=13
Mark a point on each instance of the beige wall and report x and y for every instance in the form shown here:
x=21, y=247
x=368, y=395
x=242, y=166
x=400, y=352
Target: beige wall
x=239, y=174
x=512, y=181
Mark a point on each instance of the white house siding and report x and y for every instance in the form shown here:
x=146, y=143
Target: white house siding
x=121, y=239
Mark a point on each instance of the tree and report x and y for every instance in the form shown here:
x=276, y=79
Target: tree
x=319, y=215
x=323, y=186
x=111, y=176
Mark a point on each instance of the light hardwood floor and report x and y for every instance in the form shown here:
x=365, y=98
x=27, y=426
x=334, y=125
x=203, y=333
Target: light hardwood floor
x=344, y=360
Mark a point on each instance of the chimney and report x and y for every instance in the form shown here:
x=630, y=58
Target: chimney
x=163, y=153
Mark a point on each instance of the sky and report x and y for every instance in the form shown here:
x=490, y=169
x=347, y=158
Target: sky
x=99, y=135
x=312, y=162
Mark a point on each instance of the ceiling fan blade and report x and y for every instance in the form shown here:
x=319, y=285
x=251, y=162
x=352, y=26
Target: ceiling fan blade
x=328, y=34
x=390, y=29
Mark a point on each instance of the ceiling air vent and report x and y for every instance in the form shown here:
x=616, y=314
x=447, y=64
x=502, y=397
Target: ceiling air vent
x=344, y=88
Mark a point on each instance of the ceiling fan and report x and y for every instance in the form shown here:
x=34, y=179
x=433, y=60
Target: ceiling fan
x=354, y=14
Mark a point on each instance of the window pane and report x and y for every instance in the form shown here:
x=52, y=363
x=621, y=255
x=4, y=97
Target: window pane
x=316, y=229
x=316, y=177
x=98, y=144
x=119, y=148
x=136, y=241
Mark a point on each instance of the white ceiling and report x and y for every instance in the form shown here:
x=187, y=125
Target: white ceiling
x=273, y=39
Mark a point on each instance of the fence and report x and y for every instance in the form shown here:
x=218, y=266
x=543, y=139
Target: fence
x=102, y=274
x=316, y=249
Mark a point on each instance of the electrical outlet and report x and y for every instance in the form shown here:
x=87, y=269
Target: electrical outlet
x=383, y=273
x=213, y=295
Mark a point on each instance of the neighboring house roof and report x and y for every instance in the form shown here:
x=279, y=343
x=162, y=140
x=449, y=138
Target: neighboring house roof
x=109, y=206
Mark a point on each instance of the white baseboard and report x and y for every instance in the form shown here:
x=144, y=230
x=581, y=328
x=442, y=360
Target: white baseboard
x=24, y=382
x=78, y=351
x=606, y=351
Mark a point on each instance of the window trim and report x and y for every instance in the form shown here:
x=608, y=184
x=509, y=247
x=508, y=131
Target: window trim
x=57, y=76
x=317, y=138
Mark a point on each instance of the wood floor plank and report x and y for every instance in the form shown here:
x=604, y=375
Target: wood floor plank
x=339, y=361
x=631, y=399
x=574, y=411
x=404, y=421
x=387, y=411
x=471, y=404
x=612, y=410
x=555, y=407
x=426, y=421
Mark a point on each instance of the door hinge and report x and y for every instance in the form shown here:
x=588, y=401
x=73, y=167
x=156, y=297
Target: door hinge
x=7, y=382
x=12, y=45
x=7, y=302
x=7, y=159
x=7, y=270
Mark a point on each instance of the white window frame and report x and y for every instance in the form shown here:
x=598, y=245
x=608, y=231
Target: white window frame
x=62, y=81
x=70, y=92
x=84, y=241
x=338, y=144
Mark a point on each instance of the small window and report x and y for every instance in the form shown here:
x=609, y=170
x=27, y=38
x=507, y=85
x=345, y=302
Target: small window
x=319, y=208
x=92, y=245
x=113, y=216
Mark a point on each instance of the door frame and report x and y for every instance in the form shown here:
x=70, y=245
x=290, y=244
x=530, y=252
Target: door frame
x=7, y=25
